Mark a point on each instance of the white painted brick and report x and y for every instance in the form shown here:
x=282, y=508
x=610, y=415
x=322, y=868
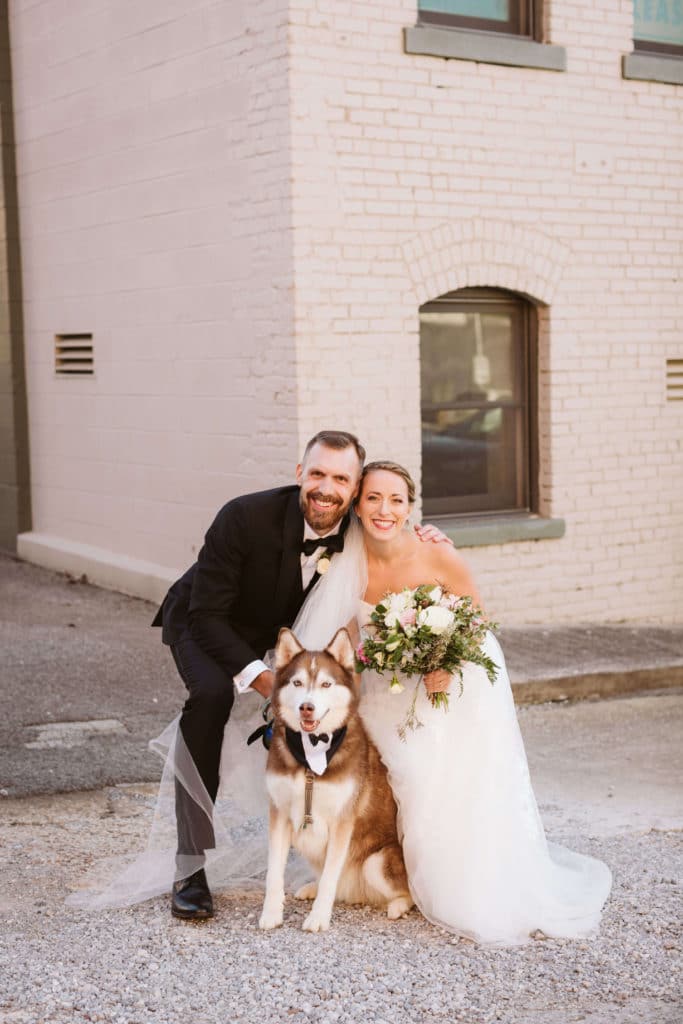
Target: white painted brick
x=573, y=246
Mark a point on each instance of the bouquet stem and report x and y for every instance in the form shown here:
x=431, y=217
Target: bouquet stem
x=411, y=721
x=438, y=700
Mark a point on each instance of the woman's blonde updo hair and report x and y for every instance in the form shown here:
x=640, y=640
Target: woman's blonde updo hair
x=390, y=467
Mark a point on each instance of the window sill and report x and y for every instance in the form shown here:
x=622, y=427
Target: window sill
x=652, y=67
x=481, y=531
x=485, y=47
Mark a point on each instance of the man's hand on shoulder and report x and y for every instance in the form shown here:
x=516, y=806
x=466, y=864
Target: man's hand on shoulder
x=428, y=532
x=264, y=683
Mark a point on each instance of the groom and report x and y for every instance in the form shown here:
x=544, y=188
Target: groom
x=258, y=562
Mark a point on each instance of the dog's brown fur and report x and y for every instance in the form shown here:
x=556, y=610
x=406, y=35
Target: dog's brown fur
x=352, y=842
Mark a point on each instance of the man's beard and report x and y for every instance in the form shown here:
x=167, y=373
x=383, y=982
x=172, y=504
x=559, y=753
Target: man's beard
x=318, y=520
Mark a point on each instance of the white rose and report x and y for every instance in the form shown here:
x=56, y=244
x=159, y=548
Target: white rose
x=438, y=619
x=435, y=595
x=399, y=602
x=391, y=619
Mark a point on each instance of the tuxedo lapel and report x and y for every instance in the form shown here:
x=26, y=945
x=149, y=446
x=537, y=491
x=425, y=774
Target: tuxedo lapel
x=289, y=591
x=311, y=583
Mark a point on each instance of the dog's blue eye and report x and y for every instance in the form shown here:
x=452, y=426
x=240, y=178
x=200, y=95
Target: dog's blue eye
x=297, y=682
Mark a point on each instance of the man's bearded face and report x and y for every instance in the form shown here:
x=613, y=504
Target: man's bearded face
x=328, y=478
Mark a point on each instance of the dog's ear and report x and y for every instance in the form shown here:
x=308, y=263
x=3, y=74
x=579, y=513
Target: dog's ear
x=341, y=649
x=287, y=648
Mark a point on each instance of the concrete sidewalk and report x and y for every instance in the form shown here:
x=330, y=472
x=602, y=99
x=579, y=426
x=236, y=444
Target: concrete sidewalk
x=86, y=681
x=579, y=662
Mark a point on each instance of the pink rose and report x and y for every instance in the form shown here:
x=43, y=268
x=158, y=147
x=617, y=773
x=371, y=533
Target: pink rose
x=360, y=654
x=408, y=617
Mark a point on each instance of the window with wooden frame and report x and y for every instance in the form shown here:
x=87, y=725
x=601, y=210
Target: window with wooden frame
x=513, y=17
x=478, y=379
x=658, y=27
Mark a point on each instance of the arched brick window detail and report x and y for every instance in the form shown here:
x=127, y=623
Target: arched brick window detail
x=478, y=351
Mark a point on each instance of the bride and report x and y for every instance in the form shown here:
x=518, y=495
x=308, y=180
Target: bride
x=477, y=857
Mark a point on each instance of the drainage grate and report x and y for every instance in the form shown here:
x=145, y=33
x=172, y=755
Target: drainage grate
x=74, y=355
x=674, y=380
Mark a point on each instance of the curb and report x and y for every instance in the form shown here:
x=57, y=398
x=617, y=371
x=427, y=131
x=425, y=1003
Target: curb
x=598, y=685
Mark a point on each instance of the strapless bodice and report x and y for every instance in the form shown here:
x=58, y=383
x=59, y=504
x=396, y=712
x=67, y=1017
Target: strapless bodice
x=364, y=612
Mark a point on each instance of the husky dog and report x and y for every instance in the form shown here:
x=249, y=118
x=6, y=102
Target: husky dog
x=329, y=793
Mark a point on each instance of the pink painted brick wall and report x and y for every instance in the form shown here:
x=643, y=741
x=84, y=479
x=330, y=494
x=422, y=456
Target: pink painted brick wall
x=153, y=156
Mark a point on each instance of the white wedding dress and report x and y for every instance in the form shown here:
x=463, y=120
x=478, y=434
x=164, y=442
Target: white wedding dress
x=476, y=853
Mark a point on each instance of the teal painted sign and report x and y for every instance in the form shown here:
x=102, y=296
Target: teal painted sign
x=492, y=10
x=658, y=21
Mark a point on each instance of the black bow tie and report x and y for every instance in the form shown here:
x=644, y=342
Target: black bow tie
x=333, y=543
x=320, y=738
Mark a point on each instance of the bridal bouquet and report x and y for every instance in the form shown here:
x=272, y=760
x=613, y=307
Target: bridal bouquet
x=417, y=631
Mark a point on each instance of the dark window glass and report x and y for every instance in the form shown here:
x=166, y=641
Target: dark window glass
x=658, y=26
x=512, y=16
x=476, y=366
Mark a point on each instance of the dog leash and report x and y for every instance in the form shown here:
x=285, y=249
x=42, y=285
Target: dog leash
x=308, y=799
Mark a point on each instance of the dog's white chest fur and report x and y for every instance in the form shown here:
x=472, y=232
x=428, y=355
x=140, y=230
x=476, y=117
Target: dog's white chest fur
x=330, y=799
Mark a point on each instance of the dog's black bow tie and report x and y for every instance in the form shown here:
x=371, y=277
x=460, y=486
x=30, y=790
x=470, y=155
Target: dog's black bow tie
x=320, y=738
x=333, y=543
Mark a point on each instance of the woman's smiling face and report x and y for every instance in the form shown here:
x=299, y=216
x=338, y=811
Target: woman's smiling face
x=383, y=505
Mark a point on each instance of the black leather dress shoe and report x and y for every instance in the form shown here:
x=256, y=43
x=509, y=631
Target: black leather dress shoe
x=192, y=898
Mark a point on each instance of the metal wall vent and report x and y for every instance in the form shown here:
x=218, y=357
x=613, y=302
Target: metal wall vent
x=674, y=380
x=74, y=355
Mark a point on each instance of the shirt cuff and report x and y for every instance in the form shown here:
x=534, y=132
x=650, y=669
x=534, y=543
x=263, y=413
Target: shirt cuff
x=246, y=677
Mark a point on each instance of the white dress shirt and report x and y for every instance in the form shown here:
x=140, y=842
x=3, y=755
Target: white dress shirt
x=245, y=678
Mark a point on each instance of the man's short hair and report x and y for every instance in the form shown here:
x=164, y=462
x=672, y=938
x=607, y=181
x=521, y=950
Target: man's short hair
x=338, y=439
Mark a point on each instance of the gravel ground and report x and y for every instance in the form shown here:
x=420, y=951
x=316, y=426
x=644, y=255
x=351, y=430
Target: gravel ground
x=139, y=966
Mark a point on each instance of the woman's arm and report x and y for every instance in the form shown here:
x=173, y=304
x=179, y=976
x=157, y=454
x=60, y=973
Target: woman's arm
x=453, y=573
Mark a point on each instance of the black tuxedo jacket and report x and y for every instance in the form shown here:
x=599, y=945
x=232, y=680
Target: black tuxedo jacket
x=246, y=582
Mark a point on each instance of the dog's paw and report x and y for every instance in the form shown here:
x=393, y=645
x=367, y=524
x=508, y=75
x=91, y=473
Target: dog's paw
x=398, y=907
x=307, y=892
x=316, y=922
x=270, y=918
